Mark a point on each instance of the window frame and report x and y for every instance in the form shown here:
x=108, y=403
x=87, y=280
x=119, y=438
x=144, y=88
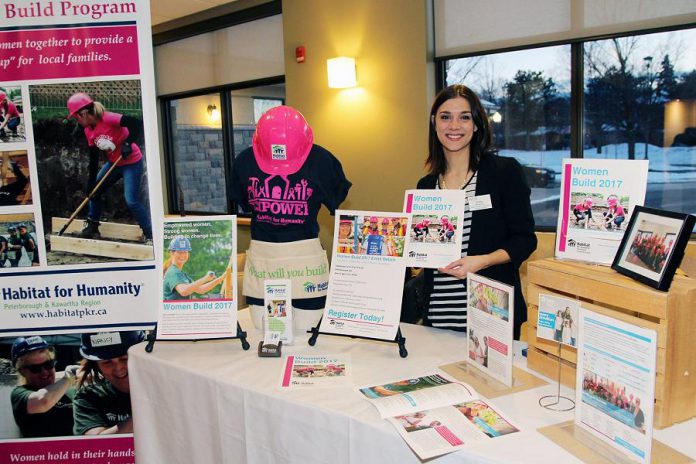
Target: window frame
x=226, y=120
x=577, y=90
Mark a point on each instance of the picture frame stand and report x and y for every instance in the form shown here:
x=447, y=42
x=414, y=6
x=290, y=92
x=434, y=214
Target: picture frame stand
x=241, y=335
x=399, y=339
x=557, y=402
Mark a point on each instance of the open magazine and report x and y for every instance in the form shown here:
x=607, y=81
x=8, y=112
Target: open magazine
x=436, y=415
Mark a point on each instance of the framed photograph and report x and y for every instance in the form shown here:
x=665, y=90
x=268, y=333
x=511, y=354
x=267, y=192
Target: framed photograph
x=653, y=246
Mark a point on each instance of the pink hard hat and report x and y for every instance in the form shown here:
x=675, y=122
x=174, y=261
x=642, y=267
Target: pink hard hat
x=282, y=141
x=373, y=219
x=444, y=219
x=588, y=201
x=77, y=102
x=426, y=222
x=385, y=221
x=612, y=200
x=3, y=95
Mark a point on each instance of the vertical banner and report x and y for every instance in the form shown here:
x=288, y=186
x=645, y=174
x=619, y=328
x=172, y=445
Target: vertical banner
x=597, y=200
x=199, y=286
x=79, y=188
x=615, y=383
x=367, y=275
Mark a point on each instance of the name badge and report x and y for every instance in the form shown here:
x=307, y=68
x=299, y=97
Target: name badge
x=480, y=202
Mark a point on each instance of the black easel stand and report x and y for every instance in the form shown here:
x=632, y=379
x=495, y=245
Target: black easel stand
x=400, y=339
x=151, y=339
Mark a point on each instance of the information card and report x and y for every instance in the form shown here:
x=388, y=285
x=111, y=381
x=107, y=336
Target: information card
x=597, y=200
x=199, y=288
x=367, y=275
x=615, y=384
x=434, y=230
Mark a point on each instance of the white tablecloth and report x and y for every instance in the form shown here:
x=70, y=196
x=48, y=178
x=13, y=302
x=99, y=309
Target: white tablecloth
x=212, y=402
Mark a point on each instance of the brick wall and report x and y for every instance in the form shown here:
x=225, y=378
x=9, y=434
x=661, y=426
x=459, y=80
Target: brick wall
x=200, y=166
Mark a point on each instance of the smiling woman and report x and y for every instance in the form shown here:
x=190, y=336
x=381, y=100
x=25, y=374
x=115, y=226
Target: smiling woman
x=498, y=231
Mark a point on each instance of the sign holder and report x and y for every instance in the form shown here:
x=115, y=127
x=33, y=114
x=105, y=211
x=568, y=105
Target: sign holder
x=399, y=339
x=547, y=400
x=241, y=335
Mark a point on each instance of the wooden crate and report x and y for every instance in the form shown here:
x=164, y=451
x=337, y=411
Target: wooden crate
x=672, y=314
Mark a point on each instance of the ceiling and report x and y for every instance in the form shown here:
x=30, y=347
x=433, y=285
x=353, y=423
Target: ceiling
x=163, y=11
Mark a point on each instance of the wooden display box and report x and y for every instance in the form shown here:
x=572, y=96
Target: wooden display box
x=672, y=314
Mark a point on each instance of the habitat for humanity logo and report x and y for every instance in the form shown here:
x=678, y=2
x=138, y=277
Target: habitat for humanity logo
x=310, y=287
x=413, y=254
x=335, y=323
x=581, y=247
x=278, y=152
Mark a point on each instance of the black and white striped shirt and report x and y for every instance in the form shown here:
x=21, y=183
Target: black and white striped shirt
x=448, y=300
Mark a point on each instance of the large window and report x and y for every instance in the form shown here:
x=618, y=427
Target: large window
x=636, y=99
x=527, y=96
x=204, y=133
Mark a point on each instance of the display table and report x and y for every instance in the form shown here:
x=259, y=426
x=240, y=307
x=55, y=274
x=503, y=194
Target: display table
x=212, y=402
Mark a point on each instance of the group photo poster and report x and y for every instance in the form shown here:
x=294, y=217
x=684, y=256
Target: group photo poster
x=77, y=83
x=596, y=202
x=199, y=278
x=490, y=326
x=558, y=319
x=615, y=383
x=434, y=228
x=366, y=277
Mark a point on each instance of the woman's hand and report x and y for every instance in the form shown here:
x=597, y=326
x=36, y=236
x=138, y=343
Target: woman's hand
x=462, y=266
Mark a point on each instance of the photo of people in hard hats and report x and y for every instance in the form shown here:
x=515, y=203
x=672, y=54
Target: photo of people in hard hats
x=15, y=188
x=11, y=114
x=67, y=384
x=19, y=246
x=91, y=169
x=433, y=228
x=198, y=261
x=370, y=235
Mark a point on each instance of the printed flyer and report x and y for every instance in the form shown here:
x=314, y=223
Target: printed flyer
x=199, y=285
x=596, y=203
x=615, y=384
x=312, y=371
x=490, y=326
x=278, y=304
x=434, y=229
x=436, y=415
x=367, y=275
x=80, y=183
x=558, y=319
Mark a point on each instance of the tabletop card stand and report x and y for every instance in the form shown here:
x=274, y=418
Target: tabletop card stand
x=548, y=402
x=241, y=335
x=399, y=339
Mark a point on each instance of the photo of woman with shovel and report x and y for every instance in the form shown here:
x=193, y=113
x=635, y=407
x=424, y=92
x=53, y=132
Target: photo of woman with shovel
x=113, y=134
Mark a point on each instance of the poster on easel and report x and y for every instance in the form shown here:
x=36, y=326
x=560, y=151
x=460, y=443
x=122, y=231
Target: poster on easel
x=490, y=327
x=434, y=229
x=79, y=169
x=366, y=277
x=615, y=383
x=199, y=282
x=596, y=202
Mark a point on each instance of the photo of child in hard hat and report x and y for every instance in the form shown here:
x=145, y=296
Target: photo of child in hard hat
x=102, y=404
x=11, y=119
x=14, y=179
x=42, y=403
x=178, y=285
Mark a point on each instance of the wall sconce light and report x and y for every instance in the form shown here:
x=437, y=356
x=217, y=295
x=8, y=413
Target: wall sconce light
x=213, y=113
x=496, y=117
x=341, y=72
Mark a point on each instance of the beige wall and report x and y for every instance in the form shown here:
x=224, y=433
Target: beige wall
x=378, y=130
